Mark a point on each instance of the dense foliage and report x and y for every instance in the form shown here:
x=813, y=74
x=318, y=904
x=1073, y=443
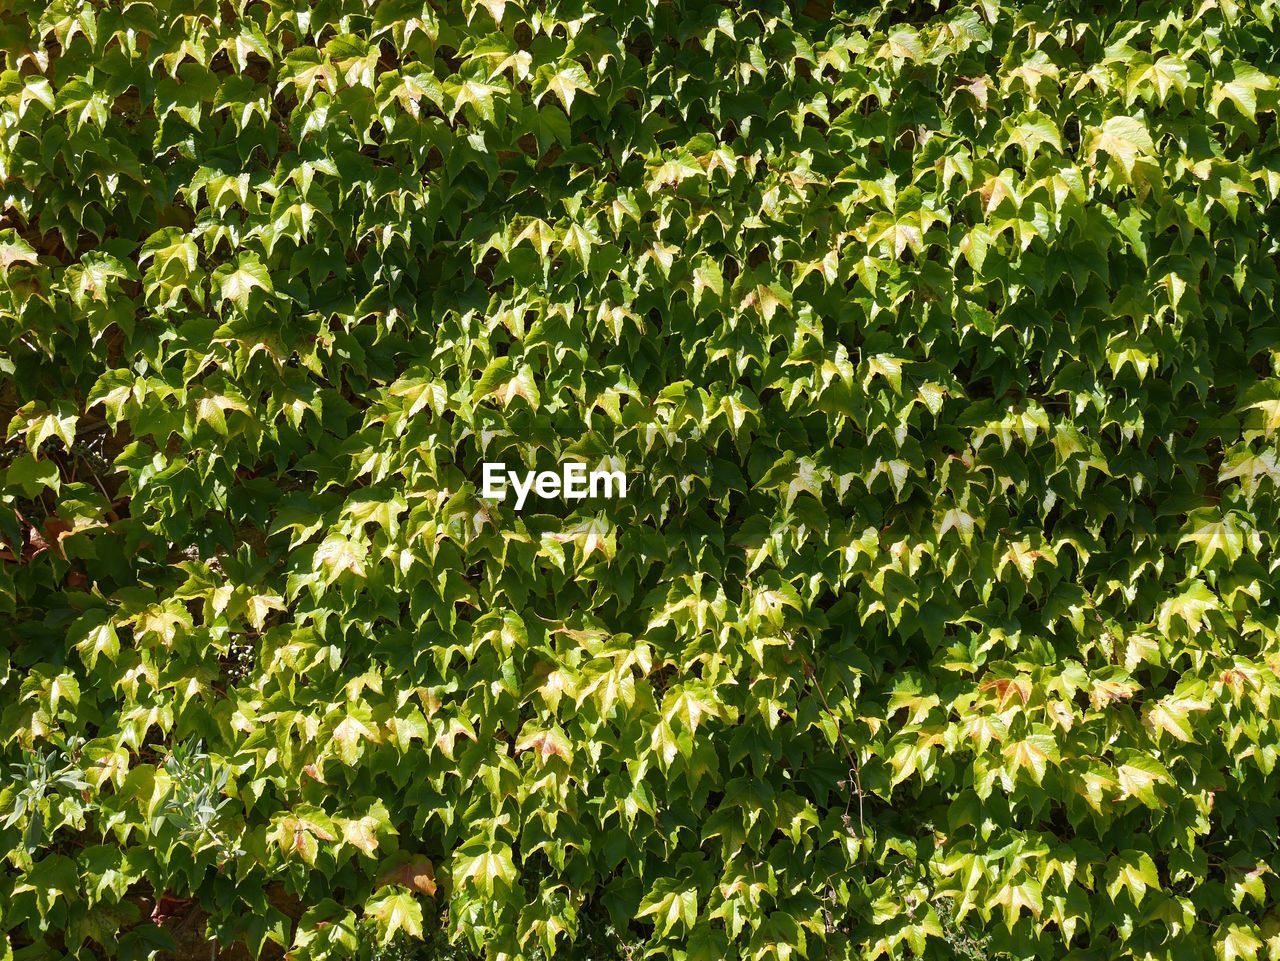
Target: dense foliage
x=939, y=343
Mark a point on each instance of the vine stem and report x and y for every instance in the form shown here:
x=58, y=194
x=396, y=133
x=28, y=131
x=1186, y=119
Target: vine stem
x=854, y=768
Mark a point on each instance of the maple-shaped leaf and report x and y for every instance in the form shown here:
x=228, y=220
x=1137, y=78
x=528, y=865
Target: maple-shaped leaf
x=237, y=280
x=1133, y=871
x=671, y=908
x=1214, y=533
x=546, y=744
x=487, y=868
x=15, y=250
x=1032, y=753
x=1237, y=938
x=565, y=81
x=1139, y=776
x=395, y=913
x=337, y=554
x=1124, y=139
x=413, y=871
x=1241, y=86
x=362, y=833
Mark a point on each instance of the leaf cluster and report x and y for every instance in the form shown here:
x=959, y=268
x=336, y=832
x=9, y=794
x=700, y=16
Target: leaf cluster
x=938, y=342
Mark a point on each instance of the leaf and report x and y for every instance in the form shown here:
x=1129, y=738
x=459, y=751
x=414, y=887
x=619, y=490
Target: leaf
x=394, y=913
x=1016, y=898
x=30, y=475
x=1138, y=778
x=1251, y=470
x=416, y=872
x=671, y=909
x=1214, y=534
x=565, y=82
x=100, y=640
x=1033, y=753
x=487, y=869
x=1124, y=139
x=299, y=835
x=15, y=250
x=974, y=247
x=904, y=43
x=1133, y=871
x=349, y=735
x=477, y=95
x=1241, y=88
x=1237, y=938
x=337, y=554
x=114, y=390
x=1033, y=131
x=546, y=744
x=362, y=833
x=707, y=276
x=1190, y=607
x=1172, y=715
x=66, y=688
x=38, y=424
x=236, y=281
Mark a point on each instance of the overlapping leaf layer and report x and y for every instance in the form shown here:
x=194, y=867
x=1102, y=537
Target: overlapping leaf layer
x=940, y=619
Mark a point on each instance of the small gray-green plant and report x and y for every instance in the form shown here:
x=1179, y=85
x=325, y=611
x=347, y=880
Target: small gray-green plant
x=196, y=801
x=40, y=776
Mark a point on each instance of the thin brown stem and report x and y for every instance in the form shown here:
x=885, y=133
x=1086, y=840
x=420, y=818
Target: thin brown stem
x=854, y=767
